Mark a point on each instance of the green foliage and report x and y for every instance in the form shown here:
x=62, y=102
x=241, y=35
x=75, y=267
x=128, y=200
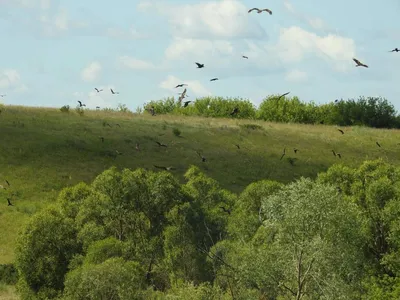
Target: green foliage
x=176, y=132
x=8, y=274
x=371, y=111
x=122, y=108
x=80, y=111
x=65, y=109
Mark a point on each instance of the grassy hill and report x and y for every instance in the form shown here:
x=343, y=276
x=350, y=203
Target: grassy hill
x=43, y=150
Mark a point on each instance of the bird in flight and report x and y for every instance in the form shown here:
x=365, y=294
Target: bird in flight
x=81, y=104
x=283, y=154
x=244, y=56
x=97, y=90
x=199, y=65
x=283, y=95
x=213, y=79
x=114, y=93
x=395, y=50
x=186, y=103
x=260, y=10
x=359, y=64
x=102, y=139
x=9, y=202
x=161, y=144
x=181, y=85
x=379, y=145
x=295, y=150
x=165, y=168
x=341, y=131
x=227, y=210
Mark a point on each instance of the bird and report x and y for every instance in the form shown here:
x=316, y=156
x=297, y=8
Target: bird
x=186, y=103
x=295, y=150
x=235, y=111
x=283, y=154
x=9, y=202
x=102, y=139
x=203, y=159
x=114, y=93
x=81, y=104
x=227, y=210
x=181, y=85
x=339, y=155
x=395, y=50
x=199, y=65
x=161, y=144
x=2, y=95
x=334, y=153
x=97, y=90
x=165, y=168
x=7, y=182
x=118, y=125
x=283, y=95
x=151, y=110
x=182, y=96
x=214, y=79
x=244, y=56
x=359, y=64
x=342, y=132
x=379, y=145
x=260, y=10
x=237, y=145
x=97, y=107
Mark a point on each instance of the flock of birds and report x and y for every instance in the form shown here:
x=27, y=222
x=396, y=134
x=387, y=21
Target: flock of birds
x=183, y=95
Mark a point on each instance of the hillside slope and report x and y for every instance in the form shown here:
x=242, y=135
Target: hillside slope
x=43, y=150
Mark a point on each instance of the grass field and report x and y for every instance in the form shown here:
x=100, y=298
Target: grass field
x=43, y=150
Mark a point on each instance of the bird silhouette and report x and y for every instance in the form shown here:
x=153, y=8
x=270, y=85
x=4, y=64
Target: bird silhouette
x=199, y=65
x=295, y=150
x=203, y=159
x=9, y=202
x=182, y=96
x=113, y=92
x=359, y=64
x=283, y=154
x=339, y=155
x=181, y=85
x=7, y=182
x=244, y=56
x=81, y=104
x=214, y=79
x=227, y=210
x=283, y=95
x=334, y=153
x=161, y=144
x=260, y=10
x=395, y=50
x=379, y=145
x=102, y=139
x=186, y=103
x=341, y=131
x=97, y=90
x=165, y=168
x=97, y=107
x=234, y=111
x=237, y=145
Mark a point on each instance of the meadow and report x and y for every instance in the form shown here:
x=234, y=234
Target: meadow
x=44, y=150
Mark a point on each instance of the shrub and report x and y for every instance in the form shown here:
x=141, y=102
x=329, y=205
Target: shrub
x=176, y=132
x=65, y=109
x=8, y=274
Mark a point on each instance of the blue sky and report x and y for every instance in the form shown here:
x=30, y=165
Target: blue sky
x=55, y=52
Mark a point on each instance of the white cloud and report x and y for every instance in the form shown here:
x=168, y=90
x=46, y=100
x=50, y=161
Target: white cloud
x=91, y=72
x=295, y=43
x=210, y=19
x=296, y=76
x=135, y=64
x=10, y=79
x=118, y=33
x=181, y=47
x=194, y=86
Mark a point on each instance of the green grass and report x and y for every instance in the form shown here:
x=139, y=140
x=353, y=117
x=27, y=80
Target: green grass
x=7, y=292
x=43, y=150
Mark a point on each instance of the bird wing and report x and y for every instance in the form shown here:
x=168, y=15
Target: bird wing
x=199, y=65
x=357, y=61
x=250, y=10
x=267, y=10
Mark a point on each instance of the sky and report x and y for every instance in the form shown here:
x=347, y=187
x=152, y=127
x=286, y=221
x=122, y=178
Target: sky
x=55, y=52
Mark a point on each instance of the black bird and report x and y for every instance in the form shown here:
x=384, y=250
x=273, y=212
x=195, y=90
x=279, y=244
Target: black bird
x=199, y=66
x=114, y=93
x=9, y=202
x=186, y=103
x=337, y=100
x=283, y=95
x=341, y=131
x=245, y=56
x=334, y=153
x=237, y=145
x=203, y=159
x=165, y=168
x=295, y=150
x=97, y=90
x=283, y=154
x=227, y=210
x=214, y=79
x=395, y=50
x=161, y=144
x=97, y=107
x=235, y=111
x=102, y=139
x=359, y=63
x=81, y=104
x=181, y=85
x=378, y=144
x=7, y=182
x=338, y=154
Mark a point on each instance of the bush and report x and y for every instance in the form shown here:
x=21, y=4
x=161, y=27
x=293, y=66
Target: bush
x=176, y=132
x=65, y=109
x=8, y=274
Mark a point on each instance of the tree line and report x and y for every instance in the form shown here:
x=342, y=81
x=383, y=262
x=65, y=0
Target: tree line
x=365, y=111
x=138, y=234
